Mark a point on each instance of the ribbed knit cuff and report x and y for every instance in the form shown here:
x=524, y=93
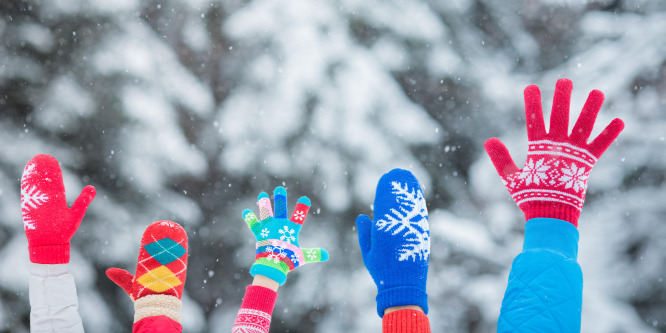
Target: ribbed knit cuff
x=553, y=235
x=550, y=209
x=406, y=321
x=400, y=296
x=259, y=298
x=158, y=305
x=49, y=254
x=256, y=311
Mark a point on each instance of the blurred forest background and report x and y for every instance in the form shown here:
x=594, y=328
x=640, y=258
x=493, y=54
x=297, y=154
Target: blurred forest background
x=187, y=109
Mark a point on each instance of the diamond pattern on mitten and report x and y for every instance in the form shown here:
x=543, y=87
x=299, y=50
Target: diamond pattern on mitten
x=161, y=267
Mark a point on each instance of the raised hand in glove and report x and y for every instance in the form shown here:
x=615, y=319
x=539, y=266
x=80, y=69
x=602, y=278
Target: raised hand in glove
x=553, y=181
x=49, y=224
x=396, y=245
x=278, y=251
x=157, y=286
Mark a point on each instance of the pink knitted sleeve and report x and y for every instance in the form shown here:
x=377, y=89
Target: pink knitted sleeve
x=255, y=313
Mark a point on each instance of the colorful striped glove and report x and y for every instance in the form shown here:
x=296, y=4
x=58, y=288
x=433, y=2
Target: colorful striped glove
x=553, y=181
x=278, y=251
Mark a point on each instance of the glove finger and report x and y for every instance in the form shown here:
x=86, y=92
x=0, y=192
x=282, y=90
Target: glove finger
x=583, y=128
x=122, y=278
x=280, y=200
x=316, y=254
x=536, y=129
x=606, y=138
x=301, y=210
x=81, y=203
x=265, y=209
x=500, y=157
x=364, y=227
x=559, y=116
x=251, y=220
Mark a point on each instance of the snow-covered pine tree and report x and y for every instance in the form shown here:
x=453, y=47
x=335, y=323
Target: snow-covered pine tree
x=185, y=110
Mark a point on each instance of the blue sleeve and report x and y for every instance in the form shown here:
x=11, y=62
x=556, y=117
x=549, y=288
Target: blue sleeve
x=545, y=290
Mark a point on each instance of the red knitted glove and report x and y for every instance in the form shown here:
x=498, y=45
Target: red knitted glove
x=49, y=224
x=554, y=179
x=157, y=287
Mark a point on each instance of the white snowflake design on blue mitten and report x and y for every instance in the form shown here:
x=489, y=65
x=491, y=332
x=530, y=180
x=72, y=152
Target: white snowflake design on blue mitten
x=410, y=221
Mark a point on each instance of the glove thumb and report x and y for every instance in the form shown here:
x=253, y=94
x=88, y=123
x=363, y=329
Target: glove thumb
x=122, y=278
x=364, y=226
x=500, y=157
x=81, y=203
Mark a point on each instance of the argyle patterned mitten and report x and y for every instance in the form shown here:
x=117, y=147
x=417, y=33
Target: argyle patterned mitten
x=278, y=251
x=157, y=287
x=553, y=181
x=396, y=245
x=49, y=224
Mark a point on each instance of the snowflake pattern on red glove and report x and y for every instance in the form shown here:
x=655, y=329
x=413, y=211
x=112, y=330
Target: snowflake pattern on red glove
x=555, y=172
x=553, y=181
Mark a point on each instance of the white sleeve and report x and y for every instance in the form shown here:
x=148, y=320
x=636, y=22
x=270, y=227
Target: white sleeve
x=53, y=302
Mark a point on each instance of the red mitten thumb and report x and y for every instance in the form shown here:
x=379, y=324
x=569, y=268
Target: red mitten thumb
x=78, y=209
x=122, y=278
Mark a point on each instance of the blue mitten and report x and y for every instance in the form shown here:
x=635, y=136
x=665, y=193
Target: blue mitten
x=396, y=245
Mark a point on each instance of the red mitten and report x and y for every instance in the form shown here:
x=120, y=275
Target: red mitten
x=49, y=224
x=157, y=287
x=553, y=182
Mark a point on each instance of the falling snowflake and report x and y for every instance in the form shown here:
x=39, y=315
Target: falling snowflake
x=265, y=232
x=411, y=216
x=294, y=259
x=299, y=215
x=534, y=172
x=575, y=177
x=275, y=253
x=287, y=234
x=312, y=255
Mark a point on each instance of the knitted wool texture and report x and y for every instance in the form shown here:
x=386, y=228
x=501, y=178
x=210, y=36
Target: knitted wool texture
x=161, y=324
x=405, y=321
x=49, y=224
x=396, y=245
x=278, y=251
x=553, y=181
x=255, y=313
x=157, y=286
